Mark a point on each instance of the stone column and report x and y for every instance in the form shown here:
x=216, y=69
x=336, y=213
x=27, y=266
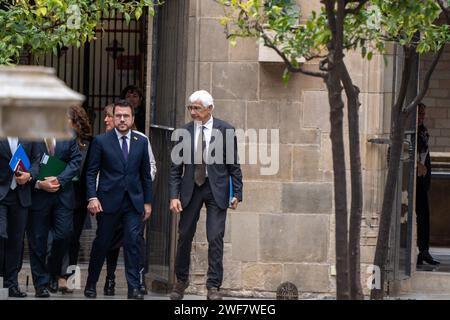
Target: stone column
x=3, y=292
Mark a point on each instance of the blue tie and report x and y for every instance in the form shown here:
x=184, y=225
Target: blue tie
x=125, y=147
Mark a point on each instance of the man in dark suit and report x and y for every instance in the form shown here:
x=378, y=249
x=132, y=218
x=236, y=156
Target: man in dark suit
x=124, y=195
x=52, y=208
x=204, y=181
x=15, y=200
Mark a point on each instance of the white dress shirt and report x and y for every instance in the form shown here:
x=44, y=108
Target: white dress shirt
x=13, y=144
x=207, y=132
x=119, y=136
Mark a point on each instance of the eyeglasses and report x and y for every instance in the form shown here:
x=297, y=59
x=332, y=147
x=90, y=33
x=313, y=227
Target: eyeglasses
x=195, y=108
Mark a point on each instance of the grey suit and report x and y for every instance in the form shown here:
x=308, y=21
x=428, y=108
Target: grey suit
x=214, y=193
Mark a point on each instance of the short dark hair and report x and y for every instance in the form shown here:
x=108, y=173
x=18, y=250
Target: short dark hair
x=123, y=103
x=421, y=105
x=132, y=88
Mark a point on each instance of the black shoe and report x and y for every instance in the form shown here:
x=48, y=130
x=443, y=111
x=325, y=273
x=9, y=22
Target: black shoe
x=90, y=291
x=213, y=294
x=14, y=292
x=426, y=256
x=178, y=290
x=42, y=292
x=109, y=290
x=135, y=294
x=53, y=285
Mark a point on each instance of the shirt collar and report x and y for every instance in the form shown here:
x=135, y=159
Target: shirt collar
x=207, y=125
x=119, y=135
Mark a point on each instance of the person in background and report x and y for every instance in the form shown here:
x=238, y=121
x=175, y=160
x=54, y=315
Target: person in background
x=53, y=202
x=423, y=182
x=134, y=96
x=15, y=201
x=80, y=123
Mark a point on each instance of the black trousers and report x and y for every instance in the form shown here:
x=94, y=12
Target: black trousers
x=59, y=220
x=423, y=215
x=13, y=218
x=107, y=225
x=215, y=230
x=79, y=217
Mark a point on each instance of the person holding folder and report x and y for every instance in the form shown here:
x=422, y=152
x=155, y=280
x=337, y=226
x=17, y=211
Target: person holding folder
x=53, y=204
x=201, y=181
x=15, y=200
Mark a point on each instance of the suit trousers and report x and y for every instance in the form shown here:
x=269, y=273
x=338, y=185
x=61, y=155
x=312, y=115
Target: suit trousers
x=113, y=254
x=107, y=224
x=215, y=230
x=59, y=220
x=14, y=219
x=422, y=215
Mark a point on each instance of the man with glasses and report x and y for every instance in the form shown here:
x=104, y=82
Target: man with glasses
x=206, y=180
x=124, y=195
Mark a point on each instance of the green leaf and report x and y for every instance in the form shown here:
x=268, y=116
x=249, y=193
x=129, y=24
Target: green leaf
x=286, y=76
x=138, y=13
x=127, y=17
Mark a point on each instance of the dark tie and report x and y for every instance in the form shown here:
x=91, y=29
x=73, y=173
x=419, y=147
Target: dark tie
x=125, y=147
x=200, y=169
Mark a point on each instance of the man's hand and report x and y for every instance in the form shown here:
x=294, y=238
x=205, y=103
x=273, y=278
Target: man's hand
x=422, y=170
x=175, y=206
x=234, y=203
x=94, y=207
x=50, y=184
x=22, y=177
x=147, y=211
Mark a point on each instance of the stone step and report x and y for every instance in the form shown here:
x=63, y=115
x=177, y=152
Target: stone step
x=121, y=283
x=3, y=292
x=425, y=282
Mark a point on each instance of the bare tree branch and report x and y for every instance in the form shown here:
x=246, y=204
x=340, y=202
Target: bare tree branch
x=269, y=43
x=444, y=9
x=426, y=82
x=357, y=8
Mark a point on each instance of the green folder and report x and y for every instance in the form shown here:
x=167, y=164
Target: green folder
x=50, y=167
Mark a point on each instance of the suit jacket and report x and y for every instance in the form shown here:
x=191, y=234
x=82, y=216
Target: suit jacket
x=117, y=176
x=181, y=185
x=80, y=183
x=68, y=152
x=6, y=174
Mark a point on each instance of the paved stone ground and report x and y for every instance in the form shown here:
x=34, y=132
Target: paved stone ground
x=78, y=295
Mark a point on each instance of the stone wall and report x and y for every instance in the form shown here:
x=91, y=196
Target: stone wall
x=438, y=102
x=284, y=229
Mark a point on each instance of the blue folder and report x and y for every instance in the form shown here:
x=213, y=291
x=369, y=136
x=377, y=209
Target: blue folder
x=20, y=160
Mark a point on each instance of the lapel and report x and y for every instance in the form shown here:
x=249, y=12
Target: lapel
x=5, y=144
x=116, y=146
x=133, y=145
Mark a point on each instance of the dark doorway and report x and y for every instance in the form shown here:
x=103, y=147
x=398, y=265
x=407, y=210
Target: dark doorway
x=167, y=112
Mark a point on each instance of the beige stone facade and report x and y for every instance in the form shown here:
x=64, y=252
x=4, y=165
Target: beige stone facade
x=284, y=228
x=438, y=103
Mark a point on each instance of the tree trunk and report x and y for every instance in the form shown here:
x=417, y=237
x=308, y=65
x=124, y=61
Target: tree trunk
x=388, y=202
x=398, y=131
x=352, y=93
x=340, y=194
